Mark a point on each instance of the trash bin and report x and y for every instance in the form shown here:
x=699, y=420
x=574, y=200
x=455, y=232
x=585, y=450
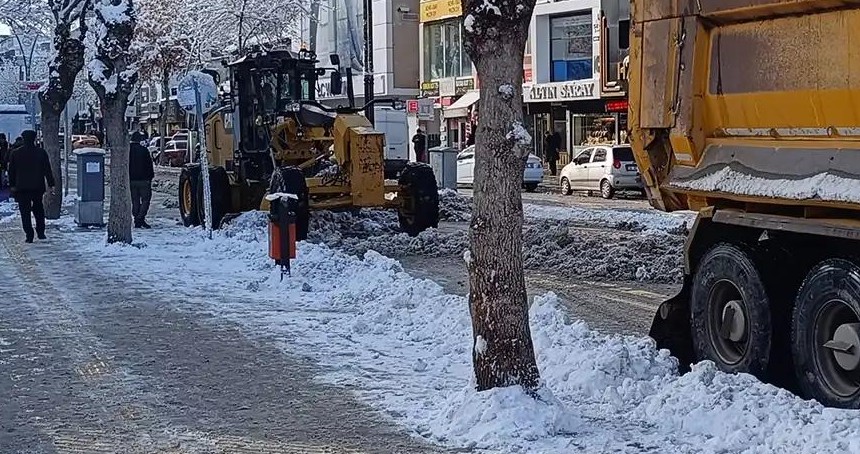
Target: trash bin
x=443, y=161
x=89, y=209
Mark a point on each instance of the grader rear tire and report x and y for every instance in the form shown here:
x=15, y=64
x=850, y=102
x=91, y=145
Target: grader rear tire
x=419, y=199
x=219, y=184
x=291, y=180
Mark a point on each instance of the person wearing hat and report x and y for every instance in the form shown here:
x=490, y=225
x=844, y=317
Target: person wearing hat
x=140, y=174
x=419, y=142
x=29, y=169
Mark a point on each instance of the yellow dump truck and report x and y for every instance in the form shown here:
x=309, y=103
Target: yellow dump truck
x=748, y=112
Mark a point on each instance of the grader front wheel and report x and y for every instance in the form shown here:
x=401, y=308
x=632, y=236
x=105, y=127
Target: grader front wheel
x=419, y=199
x=189, y=180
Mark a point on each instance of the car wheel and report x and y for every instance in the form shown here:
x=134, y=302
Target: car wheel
x=825, y=334
x=730, y=312
x=565, y=186
x=606, y=190
x=531, y=187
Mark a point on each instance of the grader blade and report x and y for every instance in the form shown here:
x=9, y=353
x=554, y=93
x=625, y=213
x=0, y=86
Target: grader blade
x=671, y=328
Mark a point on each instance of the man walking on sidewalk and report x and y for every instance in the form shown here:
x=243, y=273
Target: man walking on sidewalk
x=140, y=174
x=29, y=168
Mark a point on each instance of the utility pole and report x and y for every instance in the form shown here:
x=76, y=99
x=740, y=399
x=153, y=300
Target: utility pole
x=368, y=58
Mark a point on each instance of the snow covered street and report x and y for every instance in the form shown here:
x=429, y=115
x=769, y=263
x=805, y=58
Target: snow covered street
x=202, y=347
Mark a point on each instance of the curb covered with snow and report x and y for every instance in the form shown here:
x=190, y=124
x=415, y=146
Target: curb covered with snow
x=404, y=345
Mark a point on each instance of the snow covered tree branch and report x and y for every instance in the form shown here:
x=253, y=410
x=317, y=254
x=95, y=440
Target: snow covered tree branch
x=69, y=30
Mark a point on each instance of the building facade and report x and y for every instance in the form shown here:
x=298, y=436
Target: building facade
x=447, y=74
x=577, y=86
x=337, y=27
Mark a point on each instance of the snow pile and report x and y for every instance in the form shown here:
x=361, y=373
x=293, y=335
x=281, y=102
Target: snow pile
x=454, y=207
x=405, y=346
x=8, y=211
x=519, y=134
x=559, y=240
x=637, y=220
x=824, y=186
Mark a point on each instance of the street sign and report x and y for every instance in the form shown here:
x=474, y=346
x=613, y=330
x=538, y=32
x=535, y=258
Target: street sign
x=412, y=106
x=30, y=86
x=193, y=82
x=198, y=94
x=426, y=112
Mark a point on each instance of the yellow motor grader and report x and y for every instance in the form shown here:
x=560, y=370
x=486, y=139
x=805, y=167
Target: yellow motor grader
x=271, y=136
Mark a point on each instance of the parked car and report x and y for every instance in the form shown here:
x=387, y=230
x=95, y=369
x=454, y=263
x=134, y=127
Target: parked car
x=154, y=146
x=175, y=154
x=532, y=176
x=604, y=168
x=83, y=141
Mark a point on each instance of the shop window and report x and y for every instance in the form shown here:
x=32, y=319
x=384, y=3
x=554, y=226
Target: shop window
x=572, y=48
x=624, y=34
x=444, y=55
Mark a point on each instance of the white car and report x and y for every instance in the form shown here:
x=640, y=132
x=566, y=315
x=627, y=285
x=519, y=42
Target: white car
x=532, y=176
x=604, y=168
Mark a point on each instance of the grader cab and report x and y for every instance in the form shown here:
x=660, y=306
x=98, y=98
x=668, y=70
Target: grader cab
x=272, y=136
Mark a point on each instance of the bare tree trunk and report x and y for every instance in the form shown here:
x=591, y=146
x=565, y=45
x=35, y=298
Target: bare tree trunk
x=51, y=140
x=62, y=71
x=503, y=353
x=119, y=220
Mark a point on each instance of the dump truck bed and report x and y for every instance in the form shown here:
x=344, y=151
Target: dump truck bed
x=751, y=104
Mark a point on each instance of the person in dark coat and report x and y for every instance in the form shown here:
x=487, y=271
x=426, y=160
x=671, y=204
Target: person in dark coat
x=4, y=159
x=552, y=142
x=419, y=142
x=140, y=174
x=29, y=169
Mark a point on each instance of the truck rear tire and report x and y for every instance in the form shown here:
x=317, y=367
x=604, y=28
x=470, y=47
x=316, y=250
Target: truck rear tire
x=824, y=334
x=419, y=199
x=730, y=312
x=291, y=180
x=189, y=179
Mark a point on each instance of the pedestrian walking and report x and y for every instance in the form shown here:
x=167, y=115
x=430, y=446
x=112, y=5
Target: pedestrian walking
x=4, y=160
x=552, y=142
x=29, y=169
x=140, y=173
x=419, y=142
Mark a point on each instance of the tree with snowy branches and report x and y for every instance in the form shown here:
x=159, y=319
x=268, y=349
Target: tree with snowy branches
x=113, y=78
x=161, y=46
x=70, y=27
x=495, y=39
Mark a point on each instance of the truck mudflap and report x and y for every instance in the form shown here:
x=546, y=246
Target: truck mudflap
x=671, y=328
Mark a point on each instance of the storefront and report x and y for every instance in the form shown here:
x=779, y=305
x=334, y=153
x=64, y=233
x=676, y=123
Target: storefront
x=447, y=73
x=573, y=45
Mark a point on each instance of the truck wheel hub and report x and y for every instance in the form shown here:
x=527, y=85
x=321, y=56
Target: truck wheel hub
x=734, y=324
x=845, y=346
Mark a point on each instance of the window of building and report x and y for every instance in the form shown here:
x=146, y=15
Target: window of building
x=624, y=34
x=571, y=47
x=443, y=50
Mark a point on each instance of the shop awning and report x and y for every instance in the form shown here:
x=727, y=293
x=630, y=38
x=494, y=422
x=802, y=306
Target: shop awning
x=460, y=108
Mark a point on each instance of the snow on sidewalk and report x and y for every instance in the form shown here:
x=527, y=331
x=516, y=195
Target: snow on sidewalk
x=404, y=345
